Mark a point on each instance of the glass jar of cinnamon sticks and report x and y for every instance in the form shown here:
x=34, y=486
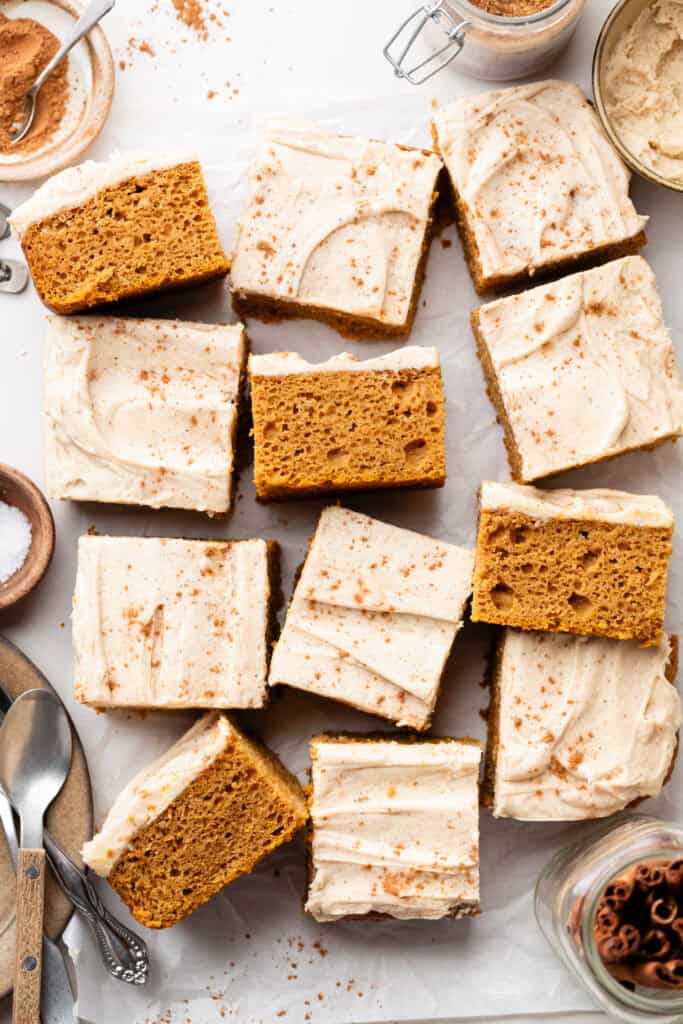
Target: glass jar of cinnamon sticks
x=611, y=905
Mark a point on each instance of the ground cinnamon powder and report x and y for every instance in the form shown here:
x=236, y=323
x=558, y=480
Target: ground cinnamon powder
x=512, y=8
x=25, y=48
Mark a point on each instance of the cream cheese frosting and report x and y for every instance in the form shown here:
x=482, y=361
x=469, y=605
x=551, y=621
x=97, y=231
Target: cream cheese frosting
x=76, y=185
x=586, y=725
x=395, y=828
x=643, y=88
x=333, y=222
x=142, y=412
x=374, y=616
x=599, y=505
x=585, y=367
x=154, y=789
x=166, y=623
x=540, y=180
x=280, y=364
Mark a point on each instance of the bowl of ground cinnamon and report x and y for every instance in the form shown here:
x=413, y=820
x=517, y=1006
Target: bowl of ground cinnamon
x=74, y=102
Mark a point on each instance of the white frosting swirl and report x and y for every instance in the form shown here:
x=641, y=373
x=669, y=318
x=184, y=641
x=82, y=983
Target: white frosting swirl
x=395, y=828
x=539, y=177
x=374, y=616
x=643, y=88
x=142, y=412
x=599, y=505
x=585, y=367
x=334, y=222
x=167, y=623
x=586, y=725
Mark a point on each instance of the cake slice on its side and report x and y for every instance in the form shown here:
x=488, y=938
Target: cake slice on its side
x=581, y=370
x=334, y=228
x=142, y=412
x=593, y=562
x=344, y=425
x=373, y=617
x=160, y=622
x=197, y=818
x=101, y=232
x=394, y=828
x=538, y=188
x=579, y=727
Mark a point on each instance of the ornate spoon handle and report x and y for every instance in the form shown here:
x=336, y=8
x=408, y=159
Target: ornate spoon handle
x=124, y=952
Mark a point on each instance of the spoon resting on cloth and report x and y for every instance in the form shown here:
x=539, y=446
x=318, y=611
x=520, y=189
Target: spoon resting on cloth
x=91, y=15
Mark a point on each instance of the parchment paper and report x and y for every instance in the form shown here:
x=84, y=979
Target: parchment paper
x=251, y=956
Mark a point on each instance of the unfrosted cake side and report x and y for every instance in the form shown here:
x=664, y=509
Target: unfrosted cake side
x=101, y=232
x=334, y=228
x=194, y=820
x=347, y=425
x=538, y=188
x=592, y=562
x=373, y=617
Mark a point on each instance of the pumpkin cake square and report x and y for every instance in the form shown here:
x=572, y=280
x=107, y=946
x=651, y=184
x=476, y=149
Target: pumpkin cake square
x=581, y=370
x=334, y=228
x=169, y=623
x=194, y=820
x=347, y=425
x=373, y=617
x=592, y=562
x=579, y=727
x=538, y=187
x=394, y=828
x=135, y=225
x=142, y=412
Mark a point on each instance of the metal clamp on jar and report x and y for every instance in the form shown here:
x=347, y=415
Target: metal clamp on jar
x=491, y=46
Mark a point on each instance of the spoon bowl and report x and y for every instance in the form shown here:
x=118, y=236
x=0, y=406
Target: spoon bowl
x=35, y=757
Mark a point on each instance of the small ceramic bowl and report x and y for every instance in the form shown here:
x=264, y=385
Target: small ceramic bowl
x=619, y=21
x=91, y=87
x=16, y=489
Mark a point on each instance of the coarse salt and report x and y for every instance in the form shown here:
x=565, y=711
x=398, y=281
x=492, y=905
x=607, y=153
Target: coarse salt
x=15, y=540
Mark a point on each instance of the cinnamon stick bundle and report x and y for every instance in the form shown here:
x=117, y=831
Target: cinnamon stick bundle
x=638, y=927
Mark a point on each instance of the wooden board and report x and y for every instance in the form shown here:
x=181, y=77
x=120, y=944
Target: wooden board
x=70, y=819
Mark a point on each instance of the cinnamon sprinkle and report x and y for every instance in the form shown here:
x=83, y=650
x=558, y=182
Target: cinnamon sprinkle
x=513, y=8
x=26, y=46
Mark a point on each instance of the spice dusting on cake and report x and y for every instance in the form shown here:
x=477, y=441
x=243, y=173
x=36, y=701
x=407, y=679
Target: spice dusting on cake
x=513, y=8
x=26, y=46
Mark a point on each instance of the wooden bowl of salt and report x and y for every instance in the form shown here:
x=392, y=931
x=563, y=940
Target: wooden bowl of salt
x=27, y=536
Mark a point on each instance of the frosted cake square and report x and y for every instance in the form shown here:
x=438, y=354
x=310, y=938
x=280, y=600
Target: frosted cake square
x=102, y=232
x=194, y=820
x=166, y=623
x=592, y=562
x=581, y=370
x=142, y=412
x=579, y=727
x=373, y=617
x=538, y=187
x=394, y=828
x=344, y=424
x=334, y=228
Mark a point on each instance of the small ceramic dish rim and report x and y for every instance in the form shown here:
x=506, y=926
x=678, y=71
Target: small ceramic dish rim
x=23, y=581
x=49, y=159
x=599, y=58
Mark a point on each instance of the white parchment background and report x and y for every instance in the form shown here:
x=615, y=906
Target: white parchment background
x=251, y=955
